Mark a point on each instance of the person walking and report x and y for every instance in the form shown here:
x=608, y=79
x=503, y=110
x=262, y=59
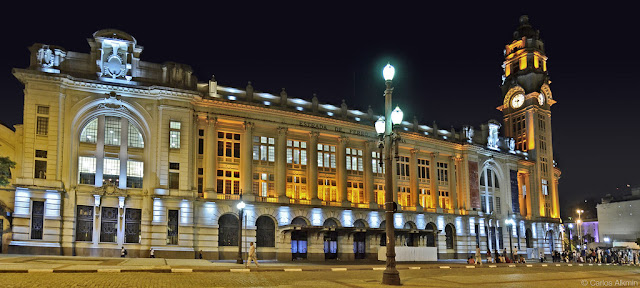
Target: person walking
x=489, y=258
x=152, y=253
x=515, y=254
x=478, y=256
x=252, y=255
x=123, y=252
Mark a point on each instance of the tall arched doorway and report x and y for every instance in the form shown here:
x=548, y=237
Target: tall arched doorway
x=431, y=234
x=265, y=232
x=298, y=239
x=330, y=239
x=450, y=234
x=359, y=240
x=228, y=230
x=528, y=236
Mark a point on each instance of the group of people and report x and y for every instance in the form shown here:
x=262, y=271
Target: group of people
x=251, y=256
x=499, y=258
x=614, y=256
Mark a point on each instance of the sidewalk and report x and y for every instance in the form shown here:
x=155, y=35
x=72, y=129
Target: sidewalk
x=80, y=264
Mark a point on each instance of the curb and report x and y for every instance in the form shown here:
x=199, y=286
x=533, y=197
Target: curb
x=246, y=270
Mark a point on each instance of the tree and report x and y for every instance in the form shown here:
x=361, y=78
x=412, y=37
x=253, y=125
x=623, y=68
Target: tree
x=5, y=170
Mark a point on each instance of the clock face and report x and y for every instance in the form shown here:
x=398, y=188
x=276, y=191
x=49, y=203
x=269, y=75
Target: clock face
x=517, y=101
x=541, y=98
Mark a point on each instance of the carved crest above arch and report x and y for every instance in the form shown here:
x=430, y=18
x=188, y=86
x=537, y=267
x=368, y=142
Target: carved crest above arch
x=109, y=189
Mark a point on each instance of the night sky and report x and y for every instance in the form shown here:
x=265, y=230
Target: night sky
x=447, y=59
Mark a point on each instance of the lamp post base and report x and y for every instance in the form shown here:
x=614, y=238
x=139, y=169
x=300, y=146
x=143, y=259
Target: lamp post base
x=391, y=277
x=239, y=261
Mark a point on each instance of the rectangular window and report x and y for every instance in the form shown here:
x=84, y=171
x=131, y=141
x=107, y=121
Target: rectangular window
x=174, y=175
x=200, y=186
x=174, y=134
x=404, y=196
x=263, y=184
x=40, y=170
x=378, y=191
x=354, y=161
x=109, y=224
x=42, y=126
x=200, y=146
x=90, y=132
x=423, y=170
x=112, y=131
x=403, y=168
x=355, y=192
x=545, y=188
x=229, y=146
x=228, y=181
x=264, y=150
x=44, y=110
x=297, y=187
x=376, y=163
x=41, y=153
x=84, y=226
x=87, y=170
x=172, y=228
x=111, y=170
x=135, y=171
x=326, y=158
x=498, y=206
x=327, y=189
x=296, y=154
x=425, y=198
x=443, y=173
x=135, y=137
x=37, y=219
x=132, y=221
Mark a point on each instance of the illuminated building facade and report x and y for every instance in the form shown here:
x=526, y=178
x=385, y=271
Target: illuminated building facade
x=115, y=151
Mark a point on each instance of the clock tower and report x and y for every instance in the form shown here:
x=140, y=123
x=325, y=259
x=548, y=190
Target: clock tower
x=526, y=107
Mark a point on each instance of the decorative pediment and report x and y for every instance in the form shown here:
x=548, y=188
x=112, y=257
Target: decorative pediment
x=109, y=189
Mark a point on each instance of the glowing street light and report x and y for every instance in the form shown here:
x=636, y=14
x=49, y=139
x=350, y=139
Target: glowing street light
x=388, y=72
x=396, y=116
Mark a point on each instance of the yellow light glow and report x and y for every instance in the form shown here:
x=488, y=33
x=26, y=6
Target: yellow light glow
x=523, y=62
x=507, y=70
x=579, y=221
x=544, y=65
x=536, y=63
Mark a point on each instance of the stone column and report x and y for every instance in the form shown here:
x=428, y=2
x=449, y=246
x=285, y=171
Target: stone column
x=246, y=174
x=211, y=154
x=312, y=167
x=413, y=176
x=281, y=165
x=100, y=152
x=554, y=194
x=124, y=139
x=453, y=193
x=341, y=174
x=368, y=174
x=433, y=171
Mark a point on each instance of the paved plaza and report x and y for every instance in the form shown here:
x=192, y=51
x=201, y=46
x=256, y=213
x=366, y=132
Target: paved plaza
x=55, y=271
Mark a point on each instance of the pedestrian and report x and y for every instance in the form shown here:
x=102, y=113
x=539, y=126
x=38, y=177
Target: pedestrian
x=515, y=254
x=252, y=255
x=541, y=257
x=489, y=258
x=478, y=255
x=152, y=253
x=200, y=254
x=123, y=252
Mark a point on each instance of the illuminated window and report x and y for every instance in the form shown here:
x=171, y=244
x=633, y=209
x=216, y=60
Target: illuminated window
x=174, y=175
x=135, y=137
x=378, y=191
x=425, y=198
x=327, y=190
x=111, y=170
x=296, y=154
x=90, y=132
x=40, y=166
x=376, y=163
x=423, y=170
x=545, y=187
x=355, y=192
x=489, y=188
x=87, y=170
x=536, y=62
x=229, y=146
x=404, y=196
x=326, y=158
x=264, y=150
x=263, y=184
x=135, y=171
x=297, y=187
x=228, y=181
x=519, y=132
x=354, y=161
x=443, y=176
x=112, y=131
x=403, y=168
x=544, y=65
x=523, y=62
x=507, y=69
x=445, y=203
x=174, y=134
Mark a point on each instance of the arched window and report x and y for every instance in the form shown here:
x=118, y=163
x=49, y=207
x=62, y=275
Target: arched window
x=265, y=232
x=122, y=139
x=489, y=188
x=528, y=236
x=431, y=234
x=330, y=223
x=449, y=230
x=409, y=226
x=299, y=221
x=228, y=230
x=359, y=224
x=383, y=236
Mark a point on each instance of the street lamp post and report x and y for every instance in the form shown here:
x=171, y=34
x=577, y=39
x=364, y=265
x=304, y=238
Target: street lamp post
x=384, y=129
x=570, y=241
x=579, y=221
x=240, y=207
x=510, y=222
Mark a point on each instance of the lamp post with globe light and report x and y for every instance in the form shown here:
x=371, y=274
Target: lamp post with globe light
x=570, y=241
x=579, y=222
x=240, y=207
x=510, y=223
x=384, y=128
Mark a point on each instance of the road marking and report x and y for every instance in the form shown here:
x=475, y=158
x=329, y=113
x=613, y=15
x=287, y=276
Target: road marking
x=239, y=270
x=414, y=268
x=338, y=269
x=544, y=265
x=608, y=264
x=445, y=267
x=590, y=264
x=529, y=265
x=108, y=270
x=580, y=264
x=294, y=270
x=599, y=264
x=40, y=270
x=492, y=266
x=182, y=270
x=569, y=264
x=471, y=267
x=558, y=265
x=378, y=268
x=512, y=265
